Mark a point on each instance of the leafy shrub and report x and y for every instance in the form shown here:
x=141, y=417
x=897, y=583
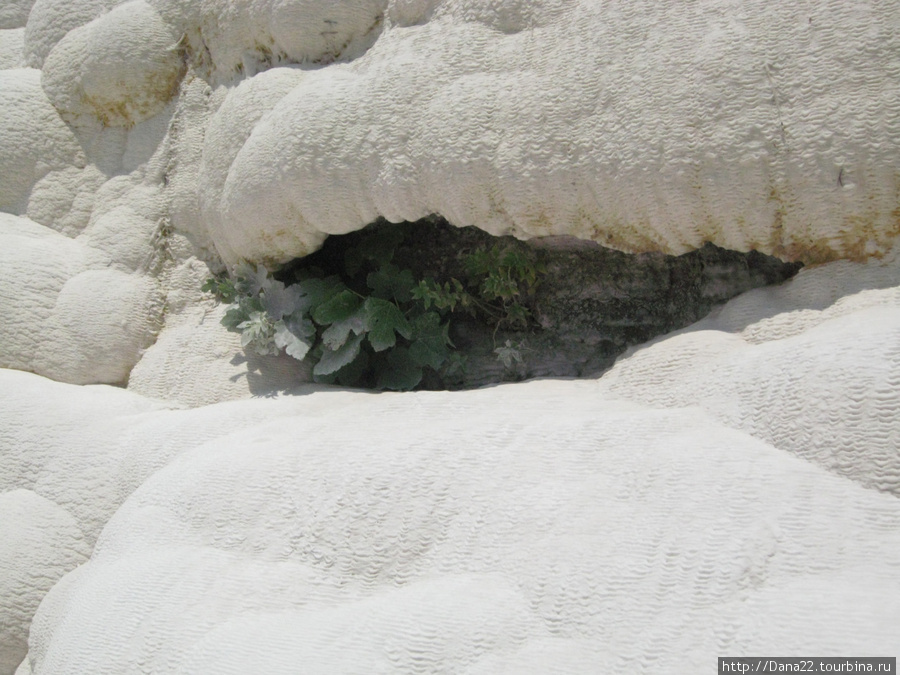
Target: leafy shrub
x=375, y=325
x=510, y=355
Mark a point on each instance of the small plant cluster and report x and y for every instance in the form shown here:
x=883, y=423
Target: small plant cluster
x=502, y=280
x=374, y=325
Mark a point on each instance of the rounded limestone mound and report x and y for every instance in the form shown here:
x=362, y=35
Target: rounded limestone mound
x=740, y=481
x=40, y=543
x=100, y=325
x=50, y=20
x=227, y=131
x=66, y=319
x=231, y=38
x=341, y=535
x=14, y=13
x=11, y=48
x=63, y=200
x=739, y=125
x=121, y=68
x=36, y=263
x=34, y=140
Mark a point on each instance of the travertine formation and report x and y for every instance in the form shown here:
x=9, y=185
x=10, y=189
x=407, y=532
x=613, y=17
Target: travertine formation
x=161, y=133
x=728, y=489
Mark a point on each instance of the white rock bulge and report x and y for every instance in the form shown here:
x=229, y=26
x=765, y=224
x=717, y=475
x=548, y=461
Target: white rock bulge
x=728, y=489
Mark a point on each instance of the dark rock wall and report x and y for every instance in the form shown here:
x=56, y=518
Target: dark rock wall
x=592, y=303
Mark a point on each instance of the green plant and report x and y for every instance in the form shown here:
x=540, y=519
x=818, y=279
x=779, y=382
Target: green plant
x=505, y=280
x=500, y=283
x=377, y=335
x=221, y=287
x=374, y=324
x=510, y=355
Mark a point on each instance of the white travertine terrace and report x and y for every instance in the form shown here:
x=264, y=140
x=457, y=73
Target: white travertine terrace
x=728, y=489
x=701, y=499
x=14, y=13
x=34, y=138
x=642, y=126
x=120, y=68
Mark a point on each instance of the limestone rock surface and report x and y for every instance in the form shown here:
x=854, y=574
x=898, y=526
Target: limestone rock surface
x=12, y=48
x=240, y=37
x=651, y=126
x=41, y=543
x=14, y=13
x=50, y=20
x=264, y=127
x=121, y=68
x=730, y=488
x=705, y=495
x=33, y=138
x=68, y=315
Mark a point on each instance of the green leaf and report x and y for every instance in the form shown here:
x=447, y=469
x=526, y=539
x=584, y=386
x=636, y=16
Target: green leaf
x=336, y=334
x=454, y=368
x=389, y=282
x=258, y=332
x=383, y=319
x=250, y=304
x=233, y=318
x=377, y=246
x=422, y=292
x=221, y=287
x=446, y=296
x=516, y=259
x=250, y=279
x=517, y=315
x=481, y=262
x=290, y=343
x=398, y=371
x=510, y=354
x=334, y=360
x=496, y=286
x=338, y=308
x=353, y=374
x=315, y=291
x=429, y=341
x=280, y=300
x=301, y=326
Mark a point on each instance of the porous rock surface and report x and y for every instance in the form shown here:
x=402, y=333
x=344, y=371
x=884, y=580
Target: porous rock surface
x=731, y=488
x=120, y=68
x=642, y=126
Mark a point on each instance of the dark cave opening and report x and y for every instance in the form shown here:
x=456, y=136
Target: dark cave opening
x=589, y=305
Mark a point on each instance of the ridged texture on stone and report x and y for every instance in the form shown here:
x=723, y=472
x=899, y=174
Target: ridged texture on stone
x=36, y=264
x=238, y=37
x=99, y=326
x=50, y=20
x=33, y=138
x=39, y=543
x=812, y=367
x=63, y=200
x=747, y=507
x=226, y=134
x=742, y=498
x=69, y=313
x=120, y=68
x=197, y=362
x=14, y=13
x=12, y=54
x=642, y=125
